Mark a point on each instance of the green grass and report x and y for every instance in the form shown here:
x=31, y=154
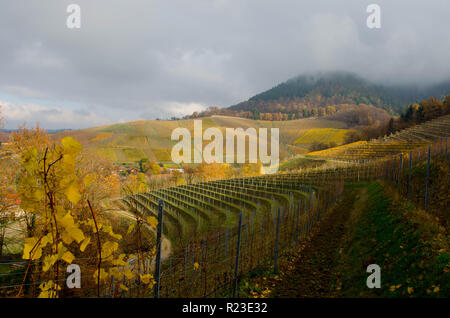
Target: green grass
x=4, y=268
x=408, y=245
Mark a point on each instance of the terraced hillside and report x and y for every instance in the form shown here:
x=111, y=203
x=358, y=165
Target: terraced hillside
x=201, y=220
x=130, y=142
x=196, y=209
x=322, y=135
x=400, y=142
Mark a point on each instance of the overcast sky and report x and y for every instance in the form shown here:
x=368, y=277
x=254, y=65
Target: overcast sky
x=143, y=59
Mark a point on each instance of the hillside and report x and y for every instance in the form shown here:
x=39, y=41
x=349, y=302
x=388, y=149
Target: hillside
x=306, y=92
x=130, y=142
x=400, y=142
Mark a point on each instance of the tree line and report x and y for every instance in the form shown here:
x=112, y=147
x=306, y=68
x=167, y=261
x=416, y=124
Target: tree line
x=416, y=113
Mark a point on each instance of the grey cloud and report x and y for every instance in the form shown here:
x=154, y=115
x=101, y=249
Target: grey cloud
x=134, y=58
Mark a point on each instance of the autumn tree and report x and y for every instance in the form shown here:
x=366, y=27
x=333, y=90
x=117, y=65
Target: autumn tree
x=25, y=138
x=154, y=168
x=54, y=186
x=9, y=199
x=352, y=135
x=190, y=172
x=45, y=177
x=446, y=105
x=177, y=178
x=214, y=171
x=144, y=165
x=430, y=108
x=8, y=196
x=251, y=169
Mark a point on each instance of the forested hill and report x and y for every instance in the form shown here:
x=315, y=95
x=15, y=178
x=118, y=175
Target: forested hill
x=308, y=93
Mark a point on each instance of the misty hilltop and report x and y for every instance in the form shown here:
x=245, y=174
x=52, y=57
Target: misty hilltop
x=337, y=88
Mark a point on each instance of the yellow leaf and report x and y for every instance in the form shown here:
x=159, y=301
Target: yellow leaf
x=31, y=243
x=61, y=250
x=88, y=179
x=115, y=272
x=71, y=229
x=108, y=229
x=103, y=274
x=67, y=238
x=128, y=274
x=72, y=193
x=108, y=249
x=91, y=223
x=152, y=221
x=130, y=228
x=77, y=234
x=181, y=181
x=71, y=145
x=85, y=244
x=48, y=289
x=38, y=194
x=120, y=261
x=49, y=261
x=123, y=287
x=410, y=290
x=115, y=235
x=44, y=294
x=147, y=279
x=196, y=265
x=46, y=239
x=68, y=257
x=46, y=285
x=436, y=289
x=69, y=162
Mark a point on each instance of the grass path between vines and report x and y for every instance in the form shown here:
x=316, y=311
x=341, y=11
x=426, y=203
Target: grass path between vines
x=311, y=271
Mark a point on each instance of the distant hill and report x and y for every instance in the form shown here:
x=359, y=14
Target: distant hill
x=127, y=143
x=337, y=88
x=49, y=131
x=5, y=134
x=330, y=95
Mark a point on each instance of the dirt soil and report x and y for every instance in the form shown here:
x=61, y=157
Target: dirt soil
x=312, y=269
